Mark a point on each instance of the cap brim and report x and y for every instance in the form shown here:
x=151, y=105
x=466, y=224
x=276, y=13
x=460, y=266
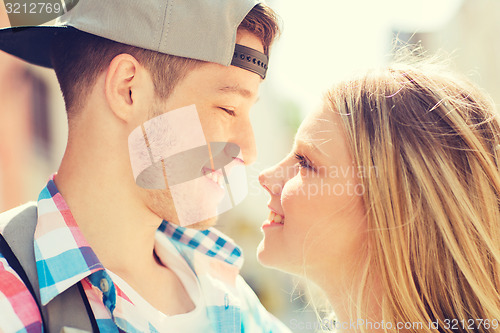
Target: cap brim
x=32, y=44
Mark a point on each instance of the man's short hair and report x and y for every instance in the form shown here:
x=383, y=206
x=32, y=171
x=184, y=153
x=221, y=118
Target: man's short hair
x=79, y=57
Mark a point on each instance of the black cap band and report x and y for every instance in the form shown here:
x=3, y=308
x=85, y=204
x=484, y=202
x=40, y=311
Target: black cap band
x=250, y=59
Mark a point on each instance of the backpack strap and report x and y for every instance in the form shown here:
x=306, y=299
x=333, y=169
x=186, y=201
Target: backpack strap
x=68, y=309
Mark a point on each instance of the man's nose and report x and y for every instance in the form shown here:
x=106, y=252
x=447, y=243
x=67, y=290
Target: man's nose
x=246, y=140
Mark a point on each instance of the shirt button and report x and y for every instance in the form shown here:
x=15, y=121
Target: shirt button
x=104, y=285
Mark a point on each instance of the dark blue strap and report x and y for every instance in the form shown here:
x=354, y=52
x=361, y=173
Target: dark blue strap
x=93, y=322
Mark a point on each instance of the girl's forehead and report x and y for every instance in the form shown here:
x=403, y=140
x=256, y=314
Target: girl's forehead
x=315, y=120
x=320, y=129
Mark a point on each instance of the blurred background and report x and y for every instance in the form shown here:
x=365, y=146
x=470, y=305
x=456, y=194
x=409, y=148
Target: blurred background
x=323, y=41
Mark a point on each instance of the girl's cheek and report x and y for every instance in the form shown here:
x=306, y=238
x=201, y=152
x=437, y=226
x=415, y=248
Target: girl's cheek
x=292, y=188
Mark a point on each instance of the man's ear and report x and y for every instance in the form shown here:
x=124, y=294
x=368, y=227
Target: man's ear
x=125, y=78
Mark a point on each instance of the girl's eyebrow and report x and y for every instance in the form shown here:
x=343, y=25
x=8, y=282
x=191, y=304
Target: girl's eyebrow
x=313, y=149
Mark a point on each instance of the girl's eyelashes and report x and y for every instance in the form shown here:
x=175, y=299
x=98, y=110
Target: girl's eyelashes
x=304, y=162
x=228, y=111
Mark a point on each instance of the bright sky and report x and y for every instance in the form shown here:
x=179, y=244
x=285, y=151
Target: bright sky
x=325, y=41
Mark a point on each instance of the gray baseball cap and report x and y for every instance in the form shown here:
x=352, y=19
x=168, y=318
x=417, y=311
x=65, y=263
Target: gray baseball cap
x=198, y=29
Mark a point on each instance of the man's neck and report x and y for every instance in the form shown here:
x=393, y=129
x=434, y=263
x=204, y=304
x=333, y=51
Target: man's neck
x=121, y=232
x=114, y=221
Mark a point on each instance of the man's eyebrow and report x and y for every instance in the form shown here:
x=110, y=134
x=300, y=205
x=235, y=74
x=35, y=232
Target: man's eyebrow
x=236, y=89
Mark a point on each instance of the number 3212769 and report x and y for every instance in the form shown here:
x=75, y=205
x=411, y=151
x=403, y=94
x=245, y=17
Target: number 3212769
x=455, y=324
x=33, y=8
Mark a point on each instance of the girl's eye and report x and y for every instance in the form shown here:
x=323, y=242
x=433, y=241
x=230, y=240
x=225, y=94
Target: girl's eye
x=228, y=111
x=304, y=162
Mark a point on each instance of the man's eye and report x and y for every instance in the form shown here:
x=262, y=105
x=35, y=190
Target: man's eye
x=228, y=111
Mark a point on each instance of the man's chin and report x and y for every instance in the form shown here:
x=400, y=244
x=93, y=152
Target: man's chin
x=203, y=225
x=160, y=203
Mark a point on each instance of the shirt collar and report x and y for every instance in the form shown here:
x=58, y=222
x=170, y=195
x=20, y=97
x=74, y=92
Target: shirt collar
x=63, y=256
x=210, y=242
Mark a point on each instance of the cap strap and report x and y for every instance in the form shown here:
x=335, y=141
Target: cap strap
x=250, y=59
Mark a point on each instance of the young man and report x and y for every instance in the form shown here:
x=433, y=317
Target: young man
x=122, y=65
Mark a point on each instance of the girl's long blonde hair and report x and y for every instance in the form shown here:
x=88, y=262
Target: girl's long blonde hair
x=433, y=206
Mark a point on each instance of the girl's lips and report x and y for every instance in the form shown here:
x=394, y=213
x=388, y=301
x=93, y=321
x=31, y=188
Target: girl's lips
x=274, y=219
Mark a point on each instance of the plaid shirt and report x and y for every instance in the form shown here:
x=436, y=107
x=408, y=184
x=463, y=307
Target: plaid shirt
x=63, y=258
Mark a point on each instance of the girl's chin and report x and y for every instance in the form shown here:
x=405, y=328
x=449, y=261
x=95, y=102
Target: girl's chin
x=273, y=257
x=264, y=256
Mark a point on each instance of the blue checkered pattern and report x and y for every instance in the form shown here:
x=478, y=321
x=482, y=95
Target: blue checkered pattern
x=210, y=242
